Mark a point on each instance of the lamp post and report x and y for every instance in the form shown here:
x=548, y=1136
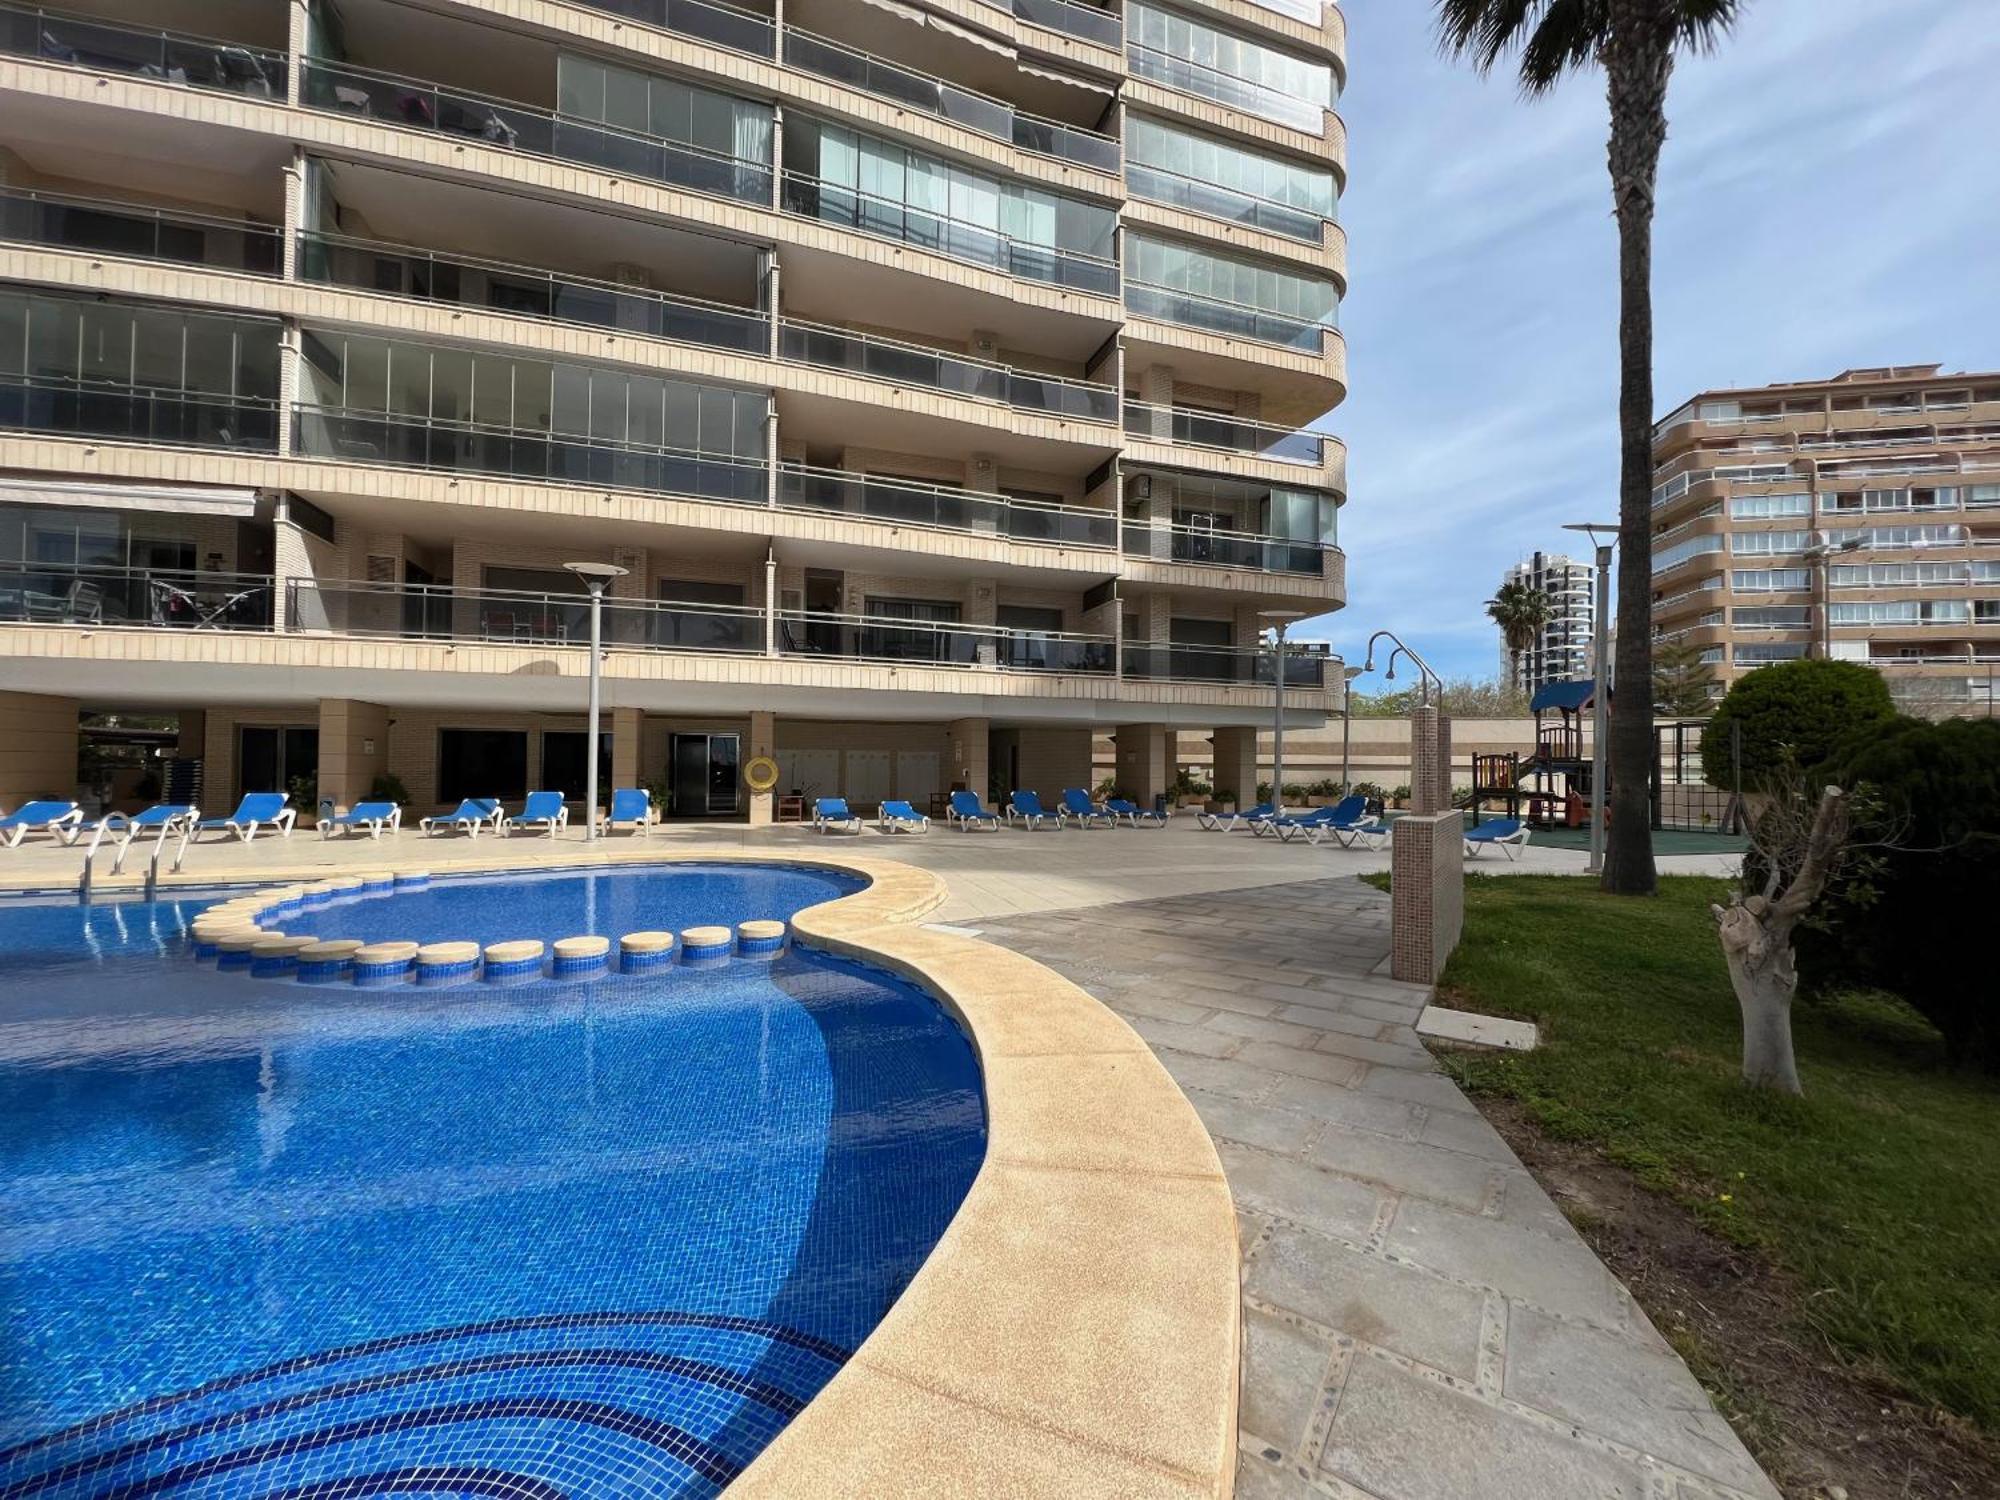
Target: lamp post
x=1599, y=708
x=1347, y=676
x=595, y=576
x=1818, y=550
x=1278, y=619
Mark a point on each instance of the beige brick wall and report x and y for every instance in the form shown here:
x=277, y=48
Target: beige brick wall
x=38, y=748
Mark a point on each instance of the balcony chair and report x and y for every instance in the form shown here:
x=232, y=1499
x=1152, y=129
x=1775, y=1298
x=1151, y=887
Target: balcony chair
x=373, y=816
x=471, y=814
x=1509, y=835
x=50, y=816
x=253, y=812
x=968, y=814
x=630, y=804
x=1077, y=806
x=546, y=808
x=901, y=817
x=1027, y=806
x=830, y=813
x=1134, y=814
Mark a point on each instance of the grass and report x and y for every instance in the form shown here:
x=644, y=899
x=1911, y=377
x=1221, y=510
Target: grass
x=1879, y=1190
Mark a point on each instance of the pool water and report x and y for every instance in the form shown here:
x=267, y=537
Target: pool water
x=604, y=1238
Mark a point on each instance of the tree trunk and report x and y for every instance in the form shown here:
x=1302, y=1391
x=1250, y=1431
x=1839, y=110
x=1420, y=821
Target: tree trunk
x=1759, y=953
x=1638, y=60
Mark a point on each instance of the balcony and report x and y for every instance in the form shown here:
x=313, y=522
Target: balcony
x=139, y=414
x=1087, y=22
x=1240, y=666
x=141, y=52
x=131, y=232
x=523, y=291
x=873, y=638
x=410, y=103
x=1189, y=77
x=1200, y=429
x=179, y=598
x=1159, y=542
x=909, y=504
x=1231, y=319
x=725, y=25
x=1211, y=201
x=830, y=348
x=850, y=208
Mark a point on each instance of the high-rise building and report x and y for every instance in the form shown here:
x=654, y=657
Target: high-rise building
x=940, y=373
x=1563, y=651
x=1853, y=517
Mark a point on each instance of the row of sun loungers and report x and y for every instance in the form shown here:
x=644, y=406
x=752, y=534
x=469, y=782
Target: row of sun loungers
x=966, y=812
x=1348, y=823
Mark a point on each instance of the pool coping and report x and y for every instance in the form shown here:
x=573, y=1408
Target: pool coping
x=1076, y=1329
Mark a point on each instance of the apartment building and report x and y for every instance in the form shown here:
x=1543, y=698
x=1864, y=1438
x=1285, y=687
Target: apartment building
x=1563, y=651
x=939, y=372
x=1856, y=517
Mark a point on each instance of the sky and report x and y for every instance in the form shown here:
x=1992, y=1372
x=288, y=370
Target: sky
x=1829, y=198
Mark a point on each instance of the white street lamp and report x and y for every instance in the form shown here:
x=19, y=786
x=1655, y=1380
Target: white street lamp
x=1819, y=548
x=596, y=576
x=1599, y=709
x=1347, y=676
x=1278, y=619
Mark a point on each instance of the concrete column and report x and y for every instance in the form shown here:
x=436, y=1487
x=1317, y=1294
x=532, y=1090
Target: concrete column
x=628, y=727
x=763, y=741
x=38, y=748
x=1236, y=766
x=1430, y=760
x=353, y=748
x=966, y=764
x=1143, y=772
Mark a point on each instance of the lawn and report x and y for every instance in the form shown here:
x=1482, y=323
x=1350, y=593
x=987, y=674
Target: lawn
x=1879, y=1191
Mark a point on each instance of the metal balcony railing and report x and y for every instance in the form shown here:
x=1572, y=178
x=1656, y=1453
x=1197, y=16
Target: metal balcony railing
x=1089, y=22
x=1213, y=315
x=725, y=25
x=141, y=52
x=183, y=598
x=1227, y=89
x=879, y=358
x=876, y=638
x=439, y=612
x=908, y=503
x=130, y=231
x=133, y=413
x=1222, y=549
x=1240, y=666
x=1202, y=429
x=1212, y=201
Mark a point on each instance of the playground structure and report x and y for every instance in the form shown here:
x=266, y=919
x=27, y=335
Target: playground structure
x=1550, y=787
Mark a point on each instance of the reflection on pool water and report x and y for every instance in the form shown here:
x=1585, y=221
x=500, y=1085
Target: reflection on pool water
x=561, y=1239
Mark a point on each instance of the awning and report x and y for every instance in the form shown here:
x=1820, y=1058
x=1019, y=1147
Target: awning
x=94, y=494
x=967, y=34
x=1069, y=78
x=900, y=11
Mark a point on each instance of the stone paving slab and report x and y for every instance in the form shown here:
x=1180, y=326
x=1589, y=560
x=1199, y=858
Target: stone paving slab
x=1421, y=1322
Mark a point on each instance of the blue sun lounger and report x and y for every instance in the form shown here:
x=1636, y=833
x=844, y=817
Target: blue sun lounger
x=1321, y=821
x=1210, y=822
x=630, y=804
x=1510, y=835
x=253, y=812
x=830, y=813
x=546, y=808
x=1027, y=806
x=967, y=813
x=901, y=816
x=472, y=814
x=51, y=816
x=1133, y=813
x=1077, y=805
x=373, y=816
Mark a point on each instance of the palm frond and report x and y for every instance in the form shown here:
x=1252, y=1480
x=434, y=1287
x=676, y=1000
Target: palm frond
x=1558, y=37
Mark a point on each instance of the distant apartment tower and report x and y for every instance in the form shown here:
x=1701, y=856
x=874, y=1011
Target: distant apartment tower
x=1756, y=493
x=1563, y=651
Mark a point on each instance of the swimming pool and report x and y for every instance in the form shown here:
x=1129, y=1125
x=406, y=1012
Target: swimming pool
x=556, y=1240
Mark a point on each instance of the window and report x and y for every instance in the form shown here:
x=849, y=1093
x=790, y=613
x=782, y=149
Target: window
x=1767, y=580
x=1903, y=612
x=1768, y=507
x=729, y=139
x=1679, y=552
x=1767, y=543
x=1199, y=58
x=1774, y=617
x=1227, y=294
x=482, y=763
x=53, y=337
x=1891, y=575
x=1169, y=164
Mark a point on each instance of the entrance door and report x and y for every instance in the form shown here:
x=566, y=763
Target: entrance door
x=703, y=770
x=269, y=759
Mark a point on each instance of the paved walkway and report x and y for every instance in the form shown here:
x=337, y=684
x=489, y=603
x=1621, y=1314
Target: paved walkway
x=1421, y=1322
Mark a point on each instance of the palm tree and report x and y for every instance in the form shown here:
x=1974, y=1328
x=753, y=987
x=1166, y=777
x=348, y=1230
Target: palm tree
x=1522, y=612
x=1635, y=41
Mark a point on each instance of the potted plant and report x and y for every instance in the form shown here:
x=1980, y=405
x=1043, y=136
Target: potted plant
x=1401, y=796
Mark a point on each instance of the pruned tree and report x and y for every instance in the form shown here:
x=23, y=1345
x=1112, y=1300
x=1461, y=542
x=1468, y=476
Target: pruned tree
x=1797, y=845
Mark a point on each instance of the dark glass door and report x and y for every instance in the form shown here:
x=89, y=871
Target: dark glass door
x=270, y=760
x=704, y=772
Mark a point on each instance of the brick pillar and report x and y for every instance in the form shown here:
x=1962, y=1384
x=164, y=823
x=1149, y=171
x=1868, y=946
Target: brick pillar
x=966, y=763
x=1426, y=893
x=763, y=741
x=1236, y=766
x=628, y=727
x=1143, y=773
x=1430, y=760
x=38, y=748
x=353, y=749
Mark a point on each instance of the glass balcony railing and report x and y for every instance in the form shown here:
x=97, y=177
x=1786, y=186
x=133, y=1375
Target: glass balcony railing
x=1158, y=185
x=1201, y=429
x=181, y=598
x=725, y=25
x=1189, y=77
x=133, y=413
x=911, y=504
x=141, y=52
x=1072, y=19
x=532, y=130
x=131, y=232
x=825, y=58
x=1222, y=549
x=403, y=271
x=439, y=612
x=1241, y=666
x=850, y=208
x=373, y=437
x=938, y=370
x=941, y=643
x=1229, y=318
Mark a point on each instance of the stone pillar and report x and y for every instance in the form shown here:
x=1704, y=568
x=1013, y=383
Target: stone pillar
x=628, y=727
x=1143, y=773
x=1426, y=893
x=763, y=741
x=1156, y=389
x=966, y=751
x=1430, y=760
x=1236, y=767
x=38, y=748
x=353, y=749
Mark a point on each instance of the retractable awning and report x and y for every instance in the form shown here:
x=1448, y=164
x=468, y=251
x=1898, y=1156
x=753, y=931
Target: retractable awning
x=93, y=494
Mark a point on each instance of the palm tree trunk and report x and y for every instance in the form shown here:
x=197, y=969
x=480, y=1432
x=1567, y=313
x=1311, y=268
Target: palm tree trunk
x=1638, y=59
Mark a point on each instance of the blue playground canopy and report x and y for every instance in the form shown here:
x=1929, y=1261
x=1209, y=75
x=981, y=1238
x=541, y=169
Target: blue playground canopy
x=1567, y=696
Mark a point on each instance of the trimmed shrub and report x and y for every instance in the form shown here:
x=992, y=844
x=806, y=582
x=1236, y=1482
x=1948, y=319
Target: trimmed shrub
x=1908, y=918
x=1806, y=707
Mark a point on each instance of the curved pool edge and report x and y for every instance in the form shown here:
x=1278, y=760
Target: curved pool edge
x=1076, y=1329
